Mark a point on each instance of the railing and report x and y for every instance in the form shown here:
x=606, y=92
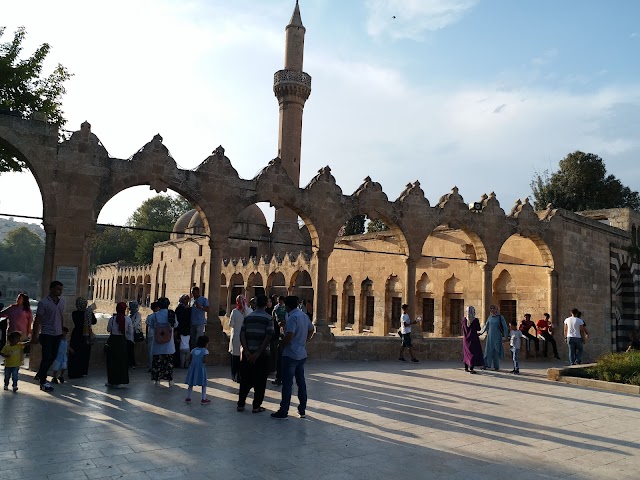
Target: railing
x=291, y=76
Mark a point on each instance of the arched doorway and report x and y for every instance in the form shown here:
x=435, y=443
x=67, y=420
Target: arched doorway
x=349, y=304
x=453, y=302
x=367, y=306
x=393, y=303
x=624, y=319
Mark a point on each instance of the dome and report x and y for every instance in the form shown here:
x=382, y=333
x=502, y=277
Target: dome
x=196, y=225
x=182, y=224
x=252, y=215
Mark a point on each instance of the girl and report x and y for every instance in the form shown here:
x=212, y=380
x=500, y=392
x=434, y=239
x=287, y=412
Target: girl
x=197, y=373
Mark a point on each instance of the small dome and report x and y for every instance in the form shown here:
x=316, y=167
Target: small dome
x=196, y=225
x=182, y=224
x=252, y=215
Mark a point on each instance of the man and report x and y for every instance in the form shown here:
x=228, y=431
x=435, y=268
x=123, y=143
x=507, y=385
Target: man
x=574, y=335
x=525, y=327
x=279, y=322
x=545, y=330
x=150, y=334
x=47, y=331
x=297, y=332
x=199, y=309
x=255, y=335
x=405, y=333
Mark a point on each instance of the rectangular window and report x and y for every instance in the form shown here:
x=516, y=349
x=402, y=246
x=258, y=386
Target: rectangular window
x=203, y=290
x=351, y=309
x=199, y=250
x=456, y=314
x=508, y=309
x=368, y=315
x=396, y=312
x=161, y=256
x=253, y=252
x=428, y=315
x=179, y=253
x=333, y=316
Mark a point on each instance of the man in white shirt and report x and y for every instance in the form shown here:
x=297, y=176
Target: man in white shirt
x=405, y=333
x=574, y=336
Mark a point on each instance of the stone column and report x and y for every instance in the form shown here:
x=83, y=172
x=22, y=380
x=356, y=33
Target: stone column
x=552, y=296
x=410, y=289
x=487, y=290
x=215, y=270
x=47, y=267
x=321, y=293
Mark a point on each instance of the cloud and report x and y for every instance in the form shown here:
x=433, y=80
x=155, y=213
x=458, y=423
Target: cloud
x=413, y=17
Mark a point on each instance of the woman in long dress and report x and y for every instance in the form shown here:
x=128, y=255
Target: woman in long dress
x=120, y=328
x=471, y=347
x=80, y=341
x=496, y=328
x=162, y=364
x=235, y=322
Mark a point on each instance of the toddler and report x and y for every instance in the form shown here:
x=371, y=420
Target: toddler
x=197, y=373
x=13, y=356
x=184, y=350
x=515, y=340
x=59, y=365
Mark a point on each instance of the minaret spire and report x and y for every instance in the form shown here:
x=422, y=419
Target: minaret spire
x=292, y=87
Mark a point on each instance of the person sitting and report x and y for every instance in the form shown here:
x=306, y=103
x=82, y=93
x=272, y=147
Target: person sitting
x=525, y=326
x=545, y=330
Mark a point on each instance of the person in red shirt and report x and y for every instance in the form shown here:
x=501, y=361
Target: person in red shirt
x=545, y=330
x=525, y=326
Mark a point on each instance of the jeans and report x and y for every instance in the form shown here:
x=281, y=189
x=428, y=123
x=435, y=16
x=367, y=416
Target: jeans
x=49, y=344
x=549, y=340
x=196, y=331
x=514, y=356
x=11, y=373
x=535, y=340
x=575, y=350
x=253, y=375
x=293, y=368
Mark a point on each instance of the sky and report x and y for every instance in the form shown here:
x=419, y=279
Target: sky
x=478, y=94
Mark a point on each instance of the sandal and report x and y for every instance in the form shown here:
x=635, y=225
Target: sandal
x=258, y=410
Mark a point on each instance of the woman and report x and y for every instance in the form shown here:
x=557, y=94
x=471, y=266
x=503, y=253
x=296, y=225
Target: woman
x=471, y=348
x=496, y=328
x=163, y=346
x=136, y=321
x=120, y=328
x=80, y=341
x=19, y=316
x=235, y=322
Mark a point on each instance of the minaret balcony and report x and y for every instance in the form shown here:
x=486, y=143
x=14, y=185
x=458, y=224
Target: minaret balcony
x=292, y=81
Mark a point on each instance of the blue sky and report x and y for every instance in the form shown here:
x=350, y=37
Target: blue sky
x=480, y=94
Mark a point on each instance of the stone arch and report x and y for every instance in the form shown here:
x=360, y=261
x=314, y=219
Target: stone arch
x=367, y=305
x=625, y=308
x=236, y=287
x=453, y=306
x=349, y=303
x=393, y=303
x=276, y=284
x=224, y=293
x=332, y=301
x=505, y=294
x=255, y=285
x=301, y=285
x=425, y=303
x=147, y=290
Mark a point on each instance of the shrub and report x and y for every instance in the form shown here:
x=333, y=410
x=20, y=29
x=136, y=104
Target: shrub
x=614, y=367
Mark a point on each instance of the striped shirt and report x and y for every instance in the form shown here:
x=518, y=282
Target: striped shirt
x=256, y=327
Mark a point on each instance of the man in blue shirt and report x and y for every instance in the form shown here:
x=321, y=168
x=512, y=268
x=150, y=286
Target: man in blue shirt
x=199, y=309
x=297, y=332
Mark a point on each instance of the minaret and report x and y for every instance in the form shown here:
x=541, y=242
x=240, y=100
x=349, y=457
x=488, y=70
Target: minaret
x=292, y=87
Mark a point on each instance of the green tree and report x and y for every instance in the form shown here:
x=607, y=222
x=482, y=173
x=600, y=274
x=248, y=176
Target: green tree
x=22, y=251
x=581, y=183
x=355, y=226
x=376, y=226
x=157, y=213
x=112, y=244
x=24, y=91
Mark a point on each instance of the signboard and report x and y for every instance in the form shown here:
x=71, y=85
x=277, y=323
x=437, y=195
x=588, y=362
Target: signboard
x=69, y=278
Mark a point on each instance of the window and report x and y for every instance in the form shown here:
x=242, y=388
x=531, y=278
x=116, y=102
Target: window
x=199, y=250
x=333, y=314
x=253, y=252
x=428, y=315
x=456, y=314
x=161, y=256
x=508, y=309
x=396, y=312
x=179, y=253
x=351, y=309
x=369, y=309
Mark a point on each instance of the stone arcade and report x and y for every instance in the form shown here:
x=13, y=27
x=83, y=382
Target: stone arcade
x=436, y=258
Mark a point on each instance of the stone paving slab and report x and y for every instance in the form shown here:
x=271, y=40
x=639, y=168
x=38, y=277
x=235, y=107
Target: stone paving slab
x=365, y=420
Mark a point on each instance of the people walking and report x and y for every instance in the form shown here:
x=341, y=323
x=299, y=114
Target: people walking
x=18, y=316
x=120, y=329
x=199, y=311
x=197, y=373
x=471, y=347
x=136, y=322
x=162, y=323
x=574, y=334
x=515, y=343
x=279, y=322
x=183, y=316
x=81, y=337
x=298, y=331
x=236, y=320
x=405, y=333
x=255, y=336
x=496, y=329
x=47, y=331
x=13, y=354
x=150, y=334
x=59, y=365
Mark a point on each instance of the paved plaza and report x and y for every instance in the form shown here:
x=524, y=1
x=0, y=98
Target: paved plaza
x=365, y=420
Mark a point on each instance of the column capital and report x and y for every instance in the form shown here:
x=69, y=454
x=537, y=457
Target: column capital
x=488, y=267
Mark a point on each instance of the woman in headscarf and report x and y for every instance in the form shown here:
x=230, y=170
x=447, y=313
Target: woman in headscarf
x=136, y=321
x=80, y=341
x=496, y=328
x=120, y=328
x=471, y=348
x=235, y=322
x=163, y=345
x=19, y=316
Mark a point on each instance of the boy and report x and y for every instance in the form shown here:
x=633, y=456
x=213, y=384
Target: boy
x=515, y=340
x=59, y=365
x=12, y=353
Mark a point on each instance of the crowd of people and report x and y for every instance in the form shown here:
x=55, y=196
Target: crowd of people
x=267, y=335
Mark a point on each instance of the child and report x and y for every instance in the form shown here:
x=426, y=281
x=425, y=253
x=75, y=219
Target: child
x=184, y=350
x=12, y=353
x=197, y=373
x=60, y=363
x=515, y=340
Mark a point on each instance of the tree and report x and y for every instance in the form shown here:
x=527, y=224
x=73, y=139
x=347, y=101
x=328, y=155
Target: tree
x=376, y=226
x=22, y=251
x=355, y=226
x=112, y=244
x=157, y=213
x=23, y=91
x=582, y=183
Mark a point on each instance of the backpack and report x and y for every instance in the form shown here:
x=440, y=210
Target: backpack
x=163, y=333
